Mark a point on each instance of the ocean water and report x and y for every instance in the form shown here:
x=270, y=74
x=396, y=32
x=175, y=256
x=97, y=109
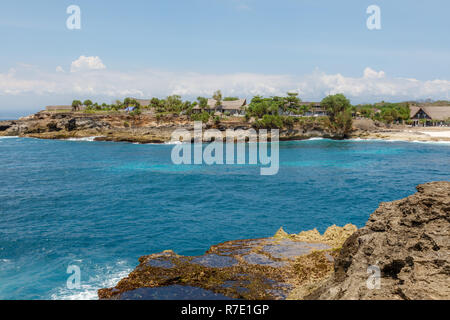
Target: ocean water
x=102, y=205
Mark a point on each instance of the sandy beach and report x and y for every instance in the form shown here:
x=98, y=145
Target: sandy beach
x=420, y=134
x=438, y=134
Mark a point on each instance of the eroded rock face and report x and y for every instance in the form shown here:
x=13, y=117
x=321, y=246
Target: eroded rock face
x=54, y=125
x=144, y=128
x=408, y=241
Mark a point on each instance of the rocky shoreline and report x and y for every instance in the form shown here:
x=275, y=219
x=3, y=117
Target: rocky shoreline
x=149, y=128
x=407, y=240
x=145, y=128
x=256, y=269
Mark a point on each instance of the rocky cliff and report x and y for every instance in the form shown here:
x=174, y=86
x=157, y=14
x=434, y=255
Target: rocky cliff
x=408, y=241
x=144, y=128
x=256, y=269
x=403, y=252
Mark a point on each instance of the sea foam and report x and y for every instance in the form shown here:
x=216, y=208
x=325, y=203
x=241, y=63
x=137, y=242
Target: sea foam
x=89, y=139
x=89, y=288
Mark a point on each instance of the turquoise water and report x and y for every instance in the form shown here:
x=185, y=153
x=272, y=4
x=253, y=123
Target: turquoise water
x=101, y=205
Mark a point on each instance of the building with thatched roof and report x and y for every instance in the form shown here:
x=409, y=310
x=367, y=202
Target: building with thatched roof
x=233, y=107
x=143, y=102
x=430, y=115
x=66, y=108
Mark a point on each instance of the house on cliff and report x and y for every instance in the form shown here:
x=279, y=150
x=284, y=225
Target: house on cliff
x=62, y=108
x=430, y=115
x=143, y=102
x=315, y=109
x=234, y=107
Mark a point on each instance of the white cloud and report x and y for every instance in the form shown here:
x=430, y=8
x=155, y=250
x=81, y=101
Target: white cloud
x=369, y=87
x=87, y=63
x=369, y=73
x=59, y=69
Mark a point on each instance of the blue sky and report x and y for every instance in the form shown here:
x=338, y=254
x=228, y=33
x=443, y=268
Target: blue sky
x=244, y=47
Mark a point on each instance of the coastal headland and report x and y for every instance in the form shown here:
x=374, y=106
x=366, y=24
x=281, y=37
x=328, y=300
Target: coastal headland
x=136, y=128
x=401, y=253
x=149, y=128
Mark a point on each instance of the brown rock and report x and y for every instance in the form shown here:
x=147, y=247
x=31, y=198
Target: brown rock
x=408, y=241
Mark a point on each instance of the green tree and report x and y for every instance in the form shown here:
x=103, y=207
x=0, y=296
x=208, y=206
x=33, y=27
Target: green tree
x=339, y=112
x=218, y=97
x=292, y=101
x=155, y=103
x=335, y=104
x=304, y=109
x=187, y=107
x=203, y=117
x=127, y=102
x=135, y=104
x=173, y=103
x=261, y=106
x=202, y=102
x=87, y=103
x=269, y=122
x=76, y=104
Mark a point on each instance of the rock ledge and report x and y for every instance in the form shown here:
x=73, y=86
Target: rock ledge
x=408, y=241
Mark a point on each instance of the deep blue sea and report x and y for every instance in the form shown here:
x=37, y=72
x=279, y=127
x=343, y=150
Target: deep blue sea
x=102, y=205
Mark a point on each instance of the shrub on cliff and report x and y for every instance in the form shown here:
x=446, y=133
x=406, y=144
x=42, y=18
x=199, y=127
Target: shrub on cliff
x=135, y=112
x=203, y=117
x=392, y=112
x=273, y=122
x=339, y=112
x=385, y=112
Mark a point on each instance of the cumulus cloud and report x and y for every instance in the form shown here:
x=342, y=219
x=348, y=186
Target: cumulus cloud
x=87, y=63
x=371, y=86
x=369, y=73
x=59, y=69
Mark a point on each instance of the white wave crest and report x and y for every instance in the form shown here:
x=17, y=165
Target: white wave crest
x=89, y=139
x=444, y=142
x=89, y=288
x=315, y=139
x=432, y=142
x=174, y=142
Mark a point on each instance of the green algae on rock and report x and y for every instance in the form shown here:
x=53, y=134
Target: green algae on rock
x=257, y=269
